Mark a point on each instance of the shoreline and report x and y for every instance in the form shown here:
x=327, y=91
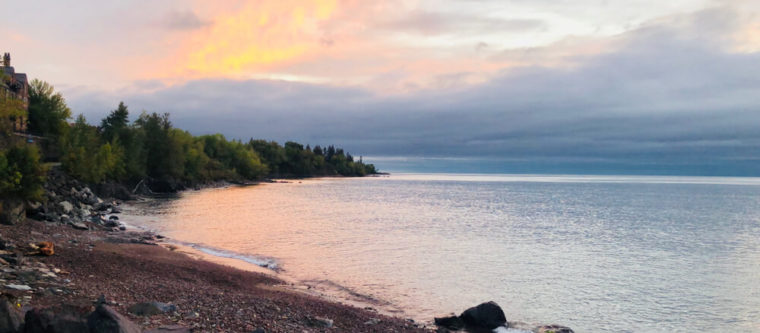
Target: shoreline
x=208, y=296
x=322, y=288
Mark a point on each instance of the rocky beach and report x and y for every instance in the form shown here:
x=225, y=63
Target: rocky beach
x=98, y=275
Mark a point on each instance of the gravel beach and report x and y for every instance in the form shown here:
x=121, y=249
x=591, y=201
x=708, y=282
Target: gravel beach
x=128, y=268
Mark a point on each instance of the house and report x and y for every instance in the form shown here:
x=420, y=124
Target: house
x=14, y=85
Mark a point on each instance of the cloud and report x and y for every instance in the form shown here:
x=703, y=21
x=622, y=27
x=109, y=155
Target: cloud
x=437, y=23
x=184, y=20
x=672, y=95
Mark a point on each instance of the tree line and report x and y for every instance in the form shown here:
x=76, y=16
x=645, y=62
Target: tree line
x=127, y=152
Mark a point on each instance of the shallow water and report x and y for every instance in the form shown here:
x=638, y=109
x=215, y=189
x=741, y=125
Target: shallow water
x=600, y=254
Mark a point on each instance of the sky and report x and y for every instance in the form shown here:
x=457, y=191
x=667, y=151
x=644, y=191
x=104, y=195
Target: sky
x=541, y=86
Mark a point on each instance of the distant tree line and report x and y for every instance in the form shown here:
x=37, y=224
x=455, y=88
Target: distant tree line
x=150, y=147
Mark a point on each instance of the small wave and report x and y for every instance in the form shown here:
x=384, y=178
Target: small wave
x=268, y=263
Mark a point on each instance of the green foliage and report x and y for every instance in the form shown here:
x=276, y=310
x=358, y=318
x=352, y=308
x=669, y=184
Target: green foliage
x=151, y=147
x=239, y=159
x=21, y=174
x=164, y=159
x=295, y=160
x=115, y=124
x=10, y=108
x=86, y=158
x=48, y=111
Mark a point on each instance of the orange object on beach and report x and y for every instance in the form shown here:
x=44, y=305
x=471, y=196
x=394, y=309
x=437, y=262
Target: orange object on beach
x=46, y=248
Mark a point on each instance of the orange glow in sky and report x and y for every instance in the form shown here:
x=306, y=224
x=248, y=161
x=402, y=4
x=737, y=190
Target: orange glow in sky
x=259, y=35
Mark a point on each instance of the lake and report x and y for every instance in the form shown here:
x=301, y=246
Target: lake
x=595, y=253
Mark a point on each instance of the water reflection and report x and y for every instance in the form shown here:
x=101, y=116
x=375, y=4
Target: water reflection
x=596, y=254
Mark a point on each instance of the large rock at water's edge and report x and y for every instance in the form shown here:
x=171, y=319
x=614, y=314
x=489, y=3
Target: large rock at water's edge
x=453, y=323
x=62, y=319
x=487, y=315
x=10, y=317
x=151, y=308
x=12, y=211
x=106, y=320
x=553, y=329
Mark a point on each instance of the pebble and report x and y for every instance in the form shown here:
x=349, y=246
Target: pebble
x=21, y=287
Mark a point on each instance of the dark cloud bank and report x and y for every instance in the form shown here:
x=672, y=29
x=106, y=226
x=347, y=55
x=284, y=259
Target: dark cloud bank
x=670, y=101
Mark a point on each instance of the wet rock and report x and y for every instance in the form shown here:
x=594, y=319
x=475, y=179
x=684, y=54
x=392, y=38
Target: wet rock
x=65, y=318
x=319, y=322
x=12, y=211
x=11, y=318
x=487, y=315
x=553, y=329
x=259, y=330
x=451, y=323
x=106, y=320
x=151, y=308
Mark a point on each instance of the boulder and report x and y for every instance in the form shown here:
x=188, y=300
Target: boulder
x=66, y=207
x=487, y=315
x=11, y=318
x=151, y=308
x=553, y=329
x=451, y=323
x=12, y=211
x=106, y=320
x=61, y=319
x=79, y=225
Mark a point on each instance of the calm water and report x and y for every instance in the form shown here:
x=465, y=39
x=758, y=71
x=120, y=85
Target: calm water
x=599, y=254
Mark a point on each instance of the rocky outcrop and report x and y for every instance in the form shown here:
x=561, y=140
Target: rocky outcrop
x=68, y=201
